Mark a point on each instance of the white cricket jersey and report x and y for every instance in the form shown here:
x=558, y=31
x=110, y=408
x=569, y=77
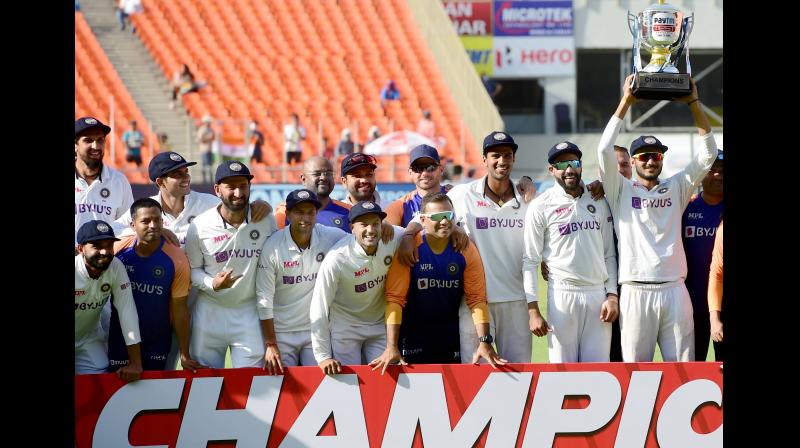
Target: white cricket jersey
x=106, y=199
x=648, y=222
x=194, y=204
x=350, y=289
x=213, y=245
x=497, y=233
x=92, y=294
x=286, y=276
x=574, y=236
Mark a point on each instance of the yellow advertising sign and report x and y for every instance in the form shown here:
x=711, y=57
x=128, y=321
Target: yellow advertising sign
x=479, y=49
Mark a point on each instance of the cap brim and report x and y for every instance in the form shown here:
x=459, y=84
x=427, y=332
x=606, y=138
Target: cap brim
x=312, y=201
x=411, y=162
x=661, y=149
x=513, y=146
x=344, y=172
x=381, y=214
x=249, y=176
x=102, y=127
x=98, y=238
x=176, y=167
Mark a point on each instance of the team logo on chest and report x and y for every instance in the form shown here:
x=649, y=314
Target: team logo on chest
x=105, y=288
x=320, y=256
x=158, y=272
x=388, y=260
x=452, y=268
x=663, y=190
x=254, y=234
x=591, y=208
x=105, y=193
x=191, y=218
x=337, y=221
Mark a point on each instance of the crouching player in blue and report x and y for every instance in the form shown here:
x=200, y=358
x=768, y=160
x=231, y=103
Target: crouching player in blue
x=423, y=300
x=160, y=279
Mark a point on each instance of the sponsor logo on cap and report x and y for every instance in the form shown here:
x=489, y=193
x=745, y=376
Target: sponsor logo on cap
x=158, y=272
x=235, y=167
x=320, y=256
x=105, y=193
x=368, y=205
x=388, y=260
x=649, y=140
x=302, y=194
x=102, y=228
x=452, y=268
x=175, y=157
x=90, y=121
x=591, y=208
x=499, y=136
x=562, y=145
x=105, y=288
x=254, y=234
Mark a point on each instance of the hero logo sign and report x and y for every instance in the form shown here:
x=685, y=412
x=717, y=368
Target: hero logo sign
x=676, y=406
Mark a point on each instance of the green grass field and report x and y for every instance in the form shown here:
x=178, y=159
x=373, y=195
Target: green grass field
x=539, y=344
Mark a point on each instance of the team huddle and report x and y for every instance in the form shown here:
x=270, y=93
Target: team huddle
x=447, y=274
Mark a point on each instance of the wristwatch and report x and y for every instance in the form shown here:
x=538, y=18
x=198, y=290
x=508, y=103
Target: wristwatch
x=487, y=339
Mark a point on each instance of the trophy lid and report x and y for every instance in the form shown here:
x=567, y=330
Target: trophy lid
x=662, y=6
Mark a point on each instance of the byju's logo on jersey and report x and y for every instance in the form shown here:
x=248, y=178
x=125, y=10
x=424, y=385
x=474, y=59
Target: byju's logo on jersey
x=226, y=255
x=288, y=280
x=639, y=203
x=363, y=287
x=431, y=283
x=221, y=257
x=570, y=227
x=502, y=223
x=422, y=283
x=697, y=231
x=297, y=279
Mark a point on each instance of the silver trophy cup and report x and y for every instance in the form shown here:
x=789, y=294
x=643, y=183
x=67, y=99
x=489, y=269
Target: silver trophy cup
x=663, y=31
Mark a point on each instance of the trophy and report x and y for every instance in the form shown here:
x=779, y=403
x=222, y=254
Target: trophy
x=663, y=31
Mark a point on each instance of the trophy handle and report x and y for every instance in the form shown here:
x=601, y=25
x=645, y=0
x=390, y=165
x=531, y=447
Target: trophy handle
x=682, y=43
x=633, y=20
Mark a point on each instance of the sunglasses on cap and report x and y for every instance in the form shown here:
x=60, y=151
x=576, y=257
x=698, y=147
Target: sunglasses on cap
x=645, y=156
x=561, y=166
x=362, y=158
x=440, y=216
x=426, y=168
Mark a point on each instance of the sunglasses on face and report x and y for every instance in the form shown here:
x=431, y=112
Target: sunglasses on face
x=362, y=158
x=426, y=168
x=440, y=216
x=645, y=156
x=561, y=166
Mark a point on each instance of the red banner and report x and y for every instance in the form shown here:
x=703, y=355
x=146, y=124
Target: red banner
x=473, y=18
x=523, y=405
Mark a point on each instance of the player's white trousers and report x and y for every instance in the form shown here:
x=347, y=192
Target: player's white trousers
x=508, y=324
x=578, y=333
x=295, y=348
x=357, y=344
x=91, y=352
x=651, y=314
x=215, y=328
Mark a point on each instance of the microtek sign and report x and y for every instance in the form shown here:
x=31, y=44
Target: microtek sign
x=523, y=405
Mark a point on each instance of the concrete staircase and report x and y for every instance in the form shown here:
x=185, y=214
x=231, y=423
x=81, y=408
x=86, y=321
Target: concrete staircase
x=143, y=78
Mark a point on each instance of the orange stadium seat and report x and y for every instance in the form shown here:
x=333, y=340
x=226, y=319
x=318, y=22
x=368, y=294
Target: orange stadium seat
x=325, y=60
x=96, y=82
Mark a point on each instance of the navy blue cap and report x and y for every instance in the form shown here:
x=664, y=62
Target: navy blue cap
x=95, y=230
x=498, y=138
x=164, y=162
x=421, y=151
x=85, y=123
x=719, y=155
x=647, y=141
x=357, y=159
x=231, y=168
x=564, y=147
x=365, y=208
x=297, y=197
